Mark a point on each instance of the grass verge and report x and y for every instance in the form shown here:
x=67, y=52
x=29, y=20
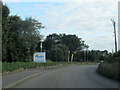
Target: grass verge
x=109, y=70
x=9, y=67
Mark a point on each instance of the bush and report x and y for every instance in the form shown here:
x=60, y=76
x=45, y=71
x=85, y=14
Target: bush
x=110, y=67
x=110, y=70
x=111, y=58
x=59, y=52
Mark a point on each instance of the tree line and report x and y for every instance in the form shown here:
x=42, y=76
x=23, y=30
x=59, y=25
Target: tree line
x=19, y=37
x=61, y=47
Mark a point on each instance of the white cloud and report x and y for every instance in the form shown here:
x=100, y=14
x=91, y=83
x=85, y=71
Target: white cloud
x=102, y=42
x=90, y=21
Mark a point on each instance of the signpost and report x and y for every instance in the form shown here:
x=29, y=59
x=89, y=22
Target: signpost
x=119, y=26
x=39, y=57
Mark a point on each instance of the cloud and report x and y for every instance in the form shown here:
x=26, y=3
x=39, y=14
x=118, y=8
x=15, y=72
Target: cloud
x=88, y=20
x=102, y=43
x=84, y=16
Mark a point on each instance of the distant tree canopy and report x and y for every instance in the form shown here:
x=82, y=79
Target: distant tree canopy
x=59, y=52
x=19, y=37
x=90, y=55
x=0, y=32
x=72, y=42
x=113, y=58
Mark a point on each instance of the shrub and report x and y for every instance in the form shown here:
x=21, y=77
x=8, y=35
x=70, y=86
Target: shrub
x=59, y=52
x=110, y=70
x=110, y=67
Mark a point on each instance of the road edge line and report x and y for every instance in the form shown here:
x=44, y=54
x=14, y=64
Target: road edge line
x=33, y=75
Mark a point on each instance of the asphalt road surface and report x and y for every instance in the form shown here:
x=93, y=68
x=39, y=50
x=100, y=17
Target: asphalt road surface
x=71, y=76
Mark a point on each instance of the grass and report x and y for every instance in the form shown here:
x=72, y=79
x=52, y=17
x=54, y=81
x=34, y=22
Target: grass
x=109, y=70
x=0, y=67
x=9, y=67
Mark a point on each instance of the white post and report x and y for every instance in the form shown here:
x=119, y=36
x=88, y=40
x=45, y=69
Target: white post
x=41, y=46
x=68, y=56
x=72, y=57
x=84, y=55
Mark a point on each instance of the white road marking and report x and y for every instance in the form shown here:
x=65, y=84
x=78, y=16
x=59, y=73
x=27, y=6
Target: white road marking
x=33, y=75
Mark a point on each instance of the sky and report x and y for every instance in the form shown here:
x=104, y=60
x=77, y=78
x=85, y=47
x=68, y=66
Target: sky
x=90, y=21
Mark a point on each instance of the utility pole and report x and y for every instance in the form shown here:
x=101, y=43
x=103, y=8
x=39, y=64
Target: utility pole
x=114, y=34
x=68, y=56
x=87, y=53
x=41, y=45
x=84, y=55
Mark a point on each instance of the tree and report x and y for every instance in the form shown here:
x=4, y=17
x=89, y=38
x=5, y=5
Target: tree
x=51, y=40
x=19, y=37
x=0, y=32
x=31, y=34
x=5, y=13
x=79, y=56
x=71, y=41
x=91, y=55
x=59, y=52
x=113, y=58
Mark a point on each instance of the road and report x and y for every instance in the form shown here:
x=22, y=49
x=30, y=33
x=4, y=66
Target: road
x=71, y=76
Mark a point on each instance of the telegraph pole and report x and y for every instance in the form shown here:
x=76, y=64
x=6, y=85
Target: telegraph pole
x=114, y=34
x=41, y=45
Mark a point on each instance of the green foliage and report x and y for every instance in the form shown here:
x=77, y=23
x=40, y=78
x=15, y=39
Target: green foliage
x=9, y=67
x=19, y=37
x=95, y=55
x=59, y=52
x=110, y=70
x=110, y=67
x=79, y=56
x=111, y=58
x=71, y=41
x=5, y=11
x=51, y=40
x=6, y=67
x=92, y=55
x=0, y=32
